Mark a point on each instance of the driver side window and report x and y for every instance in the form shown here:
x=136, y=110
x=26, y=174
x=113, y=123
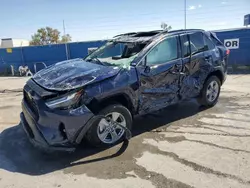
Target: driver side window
x=163, y=52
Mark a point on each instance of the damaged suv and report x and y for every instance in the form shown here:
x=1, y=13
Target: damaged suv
x=133, y=74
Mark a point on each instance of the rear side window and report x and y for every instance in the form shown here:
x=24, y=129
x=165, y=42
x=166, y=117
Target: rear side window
x=196, y=42
x=215, y=39
x=209, y=43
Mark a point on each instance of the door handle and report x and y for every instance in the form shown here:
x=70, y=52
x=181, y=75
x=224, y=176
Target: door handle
x=207, y=58
x=178, y=65
x=178, y=68
x=174, y=72
x=180, y=73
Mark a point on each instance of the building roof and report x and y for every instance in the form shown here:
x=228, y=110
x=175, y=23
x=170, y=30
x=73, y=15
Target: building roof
x=232, y=29
x=6, y=39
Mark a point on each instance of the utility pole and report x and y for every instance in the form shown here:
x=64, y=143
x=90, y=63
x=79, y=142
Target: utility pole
x=185, y=14
x=66, y=46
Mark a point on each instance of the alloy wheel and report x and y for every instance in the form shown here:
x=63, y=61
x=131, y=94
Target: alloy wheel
x=212, y=91
x=108, y=132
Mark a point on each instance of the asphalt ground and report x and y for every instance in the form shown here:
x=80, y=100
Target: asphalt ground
x=181, y=146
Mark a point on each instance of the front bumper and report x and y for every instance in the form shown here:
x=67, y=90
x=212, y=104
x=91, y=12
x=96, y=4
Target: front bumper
x=39, y=141
x=54, y=129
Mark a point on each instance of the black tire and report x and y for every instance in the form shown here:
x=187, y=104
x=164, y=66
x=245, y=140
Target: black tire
x=203, y=99
x=92, y=136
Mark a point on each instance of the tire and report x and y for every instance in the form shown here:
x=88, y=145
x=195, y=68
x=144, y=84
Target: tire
x=208, y=96
x=93, y=134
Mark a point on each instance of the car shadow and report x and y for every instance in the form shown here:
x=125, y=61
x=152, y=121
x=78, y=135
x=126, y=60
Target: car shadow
x=18, y=155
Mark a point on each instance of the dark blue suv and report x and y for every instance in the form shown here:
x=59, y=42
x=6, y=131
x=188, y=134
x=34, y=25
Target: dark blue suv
x=133, y=74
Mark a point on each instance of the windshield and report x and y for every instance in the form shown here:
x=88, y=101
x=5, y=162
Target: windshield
x=116, y=54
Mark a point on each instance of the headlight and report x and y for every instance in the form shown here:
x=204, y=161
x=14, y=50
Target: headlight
x=65, y=101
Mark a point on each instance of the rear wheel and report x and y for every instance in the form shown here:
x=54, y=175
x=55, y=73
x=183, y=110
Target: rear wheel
x=104, y=132
x=210, y=92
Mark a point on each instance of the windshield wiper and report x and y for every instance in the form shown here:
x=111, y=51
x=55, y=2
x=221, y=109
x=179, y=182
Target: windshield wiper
x=95, y=60
x=99, y=62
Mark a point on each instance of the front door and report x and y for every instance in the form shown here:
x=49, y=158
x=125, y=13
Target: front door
x=159, y=76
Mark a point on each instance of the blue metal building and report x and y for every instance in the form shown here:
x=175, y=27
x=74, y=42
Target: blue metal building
x=238, y=41
x=49, y=54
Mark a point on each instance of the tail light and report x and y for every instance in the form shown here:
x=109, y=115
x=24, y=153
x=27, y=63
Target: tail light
x=228, y=52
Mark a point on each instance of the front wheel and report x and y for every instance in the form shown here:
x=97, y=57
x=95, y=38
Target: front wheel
x=210, y=92
x=105, y=132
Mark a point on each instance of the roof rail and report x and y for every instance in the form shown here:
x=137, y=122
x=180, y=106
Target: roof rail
x=183, y=30
x=131, y=33
x=154, y=33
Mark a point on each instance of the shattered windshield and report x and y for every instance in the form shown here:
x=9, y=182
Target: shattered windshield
x=116, y=54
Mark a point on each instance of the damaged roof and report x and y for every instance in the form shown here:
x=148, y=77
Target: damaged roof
x=146, y=36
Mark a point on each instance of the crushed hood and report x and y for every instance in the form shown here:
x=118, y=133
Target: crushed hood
x=72, y=74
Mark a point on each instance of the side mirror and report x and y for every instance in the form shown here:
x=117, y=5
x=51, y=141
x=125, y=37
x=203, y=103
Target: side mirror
x=147, y=69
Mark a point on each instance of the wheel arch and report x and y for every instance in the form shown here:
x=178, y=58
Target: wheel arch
x=120, y=98
x=218, y=74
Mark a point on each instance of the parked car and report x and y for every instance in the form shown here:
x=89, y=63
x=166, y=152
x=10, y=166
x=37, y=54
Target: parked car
x=133, y=74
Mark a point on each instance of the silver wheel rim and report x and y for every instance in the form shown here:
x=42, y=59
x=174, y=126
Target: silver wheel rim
x=107, y=131
x=212, y=91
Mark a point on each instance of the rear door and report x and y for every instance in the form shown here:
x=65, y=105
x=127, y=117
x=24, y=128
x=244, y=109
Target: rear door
x=194, y=64
x=159, y=75
x=212, y=53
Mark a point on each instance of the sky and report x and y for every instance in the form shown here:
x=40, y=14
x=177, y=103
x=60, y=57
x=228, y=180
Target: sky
x=102, y=19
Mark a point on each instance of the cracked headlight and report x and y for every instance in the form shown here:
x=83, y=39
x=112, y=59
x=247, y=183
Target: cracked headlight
x=64, y=102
